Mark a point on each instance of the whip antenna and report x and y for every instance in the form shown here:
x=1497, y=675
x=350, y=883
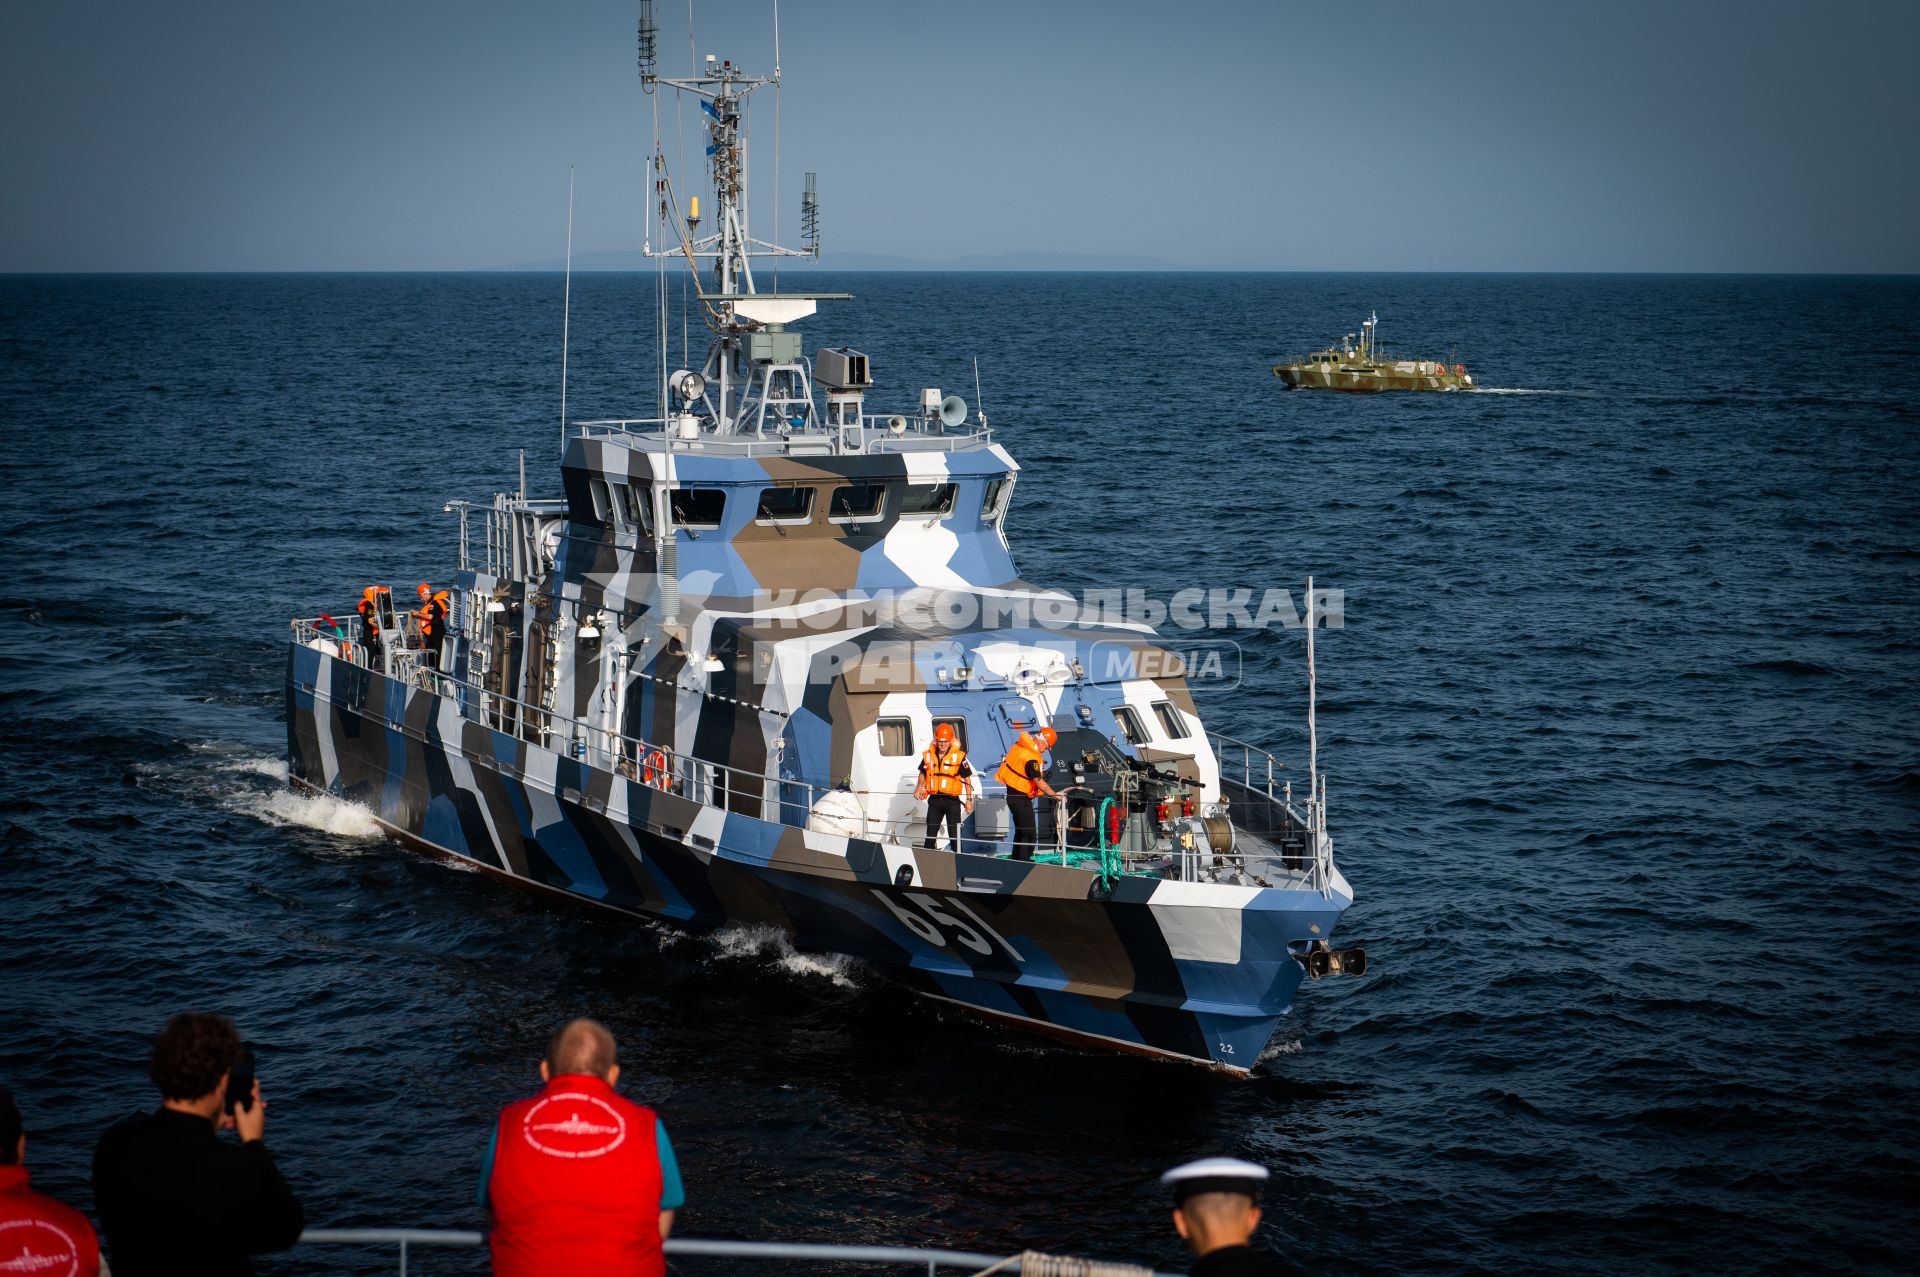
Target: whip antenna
x=776, y=140
x=1313, y=736
x=566, y=315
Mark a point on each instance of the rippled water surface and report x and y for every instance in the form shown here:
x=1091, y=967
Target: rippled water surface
x=1621, y=731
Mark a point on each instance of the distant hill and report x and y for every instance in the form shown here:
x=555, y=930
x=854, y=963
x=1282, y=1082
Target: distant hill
x=616, y=260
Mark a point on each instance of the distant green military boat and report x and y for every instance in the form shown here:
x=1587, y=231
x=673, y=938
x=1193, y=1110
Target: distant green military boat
x=1362, y=367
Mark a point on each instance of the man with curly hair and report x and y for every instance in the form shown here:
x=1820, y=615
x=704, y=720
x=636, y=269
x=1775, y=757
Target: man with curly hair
x=172, y=1196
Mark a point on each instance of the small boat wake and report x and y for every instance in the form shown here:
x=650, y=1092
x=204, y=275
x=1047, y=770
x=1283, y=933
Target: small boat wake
x=280, y=806
x=1517, y=390
x=1281, y=1046
x=763, y=942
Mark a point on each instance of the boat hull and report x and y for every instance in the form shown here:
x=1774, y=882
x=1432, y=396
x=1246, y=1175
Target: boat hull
x=1307, y=377
x=1186, y=970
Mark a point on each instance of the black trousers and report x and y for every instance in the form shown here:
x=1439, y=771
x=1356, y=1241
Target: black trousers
x=1020, y=807
x=942, y=809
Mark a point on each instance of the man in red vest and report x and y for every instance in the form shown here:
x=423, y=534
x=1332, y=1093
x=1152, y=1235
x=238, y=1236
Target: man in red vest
x=37, y=1234
x=577, y=1179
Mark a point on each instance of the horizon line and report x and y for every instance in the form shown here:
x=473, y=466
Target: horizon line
x=937, y=269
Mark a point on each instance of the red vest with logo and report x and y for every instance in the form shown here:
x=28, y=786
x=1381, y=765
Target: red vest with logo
x=576, y=1184
x=39, y=1235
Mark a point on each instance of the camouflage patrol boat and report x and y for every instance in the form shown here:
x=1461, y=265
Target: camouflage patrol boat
x=1358, y=365
x=695, y=686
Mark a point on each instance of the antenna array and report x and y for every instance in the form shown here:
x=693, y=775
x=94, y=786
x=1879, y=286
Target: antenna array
x=810, y=218
x=649, y=44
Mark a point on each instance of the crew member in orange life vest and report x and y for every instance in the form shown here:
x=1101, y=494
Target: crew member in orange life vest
x=370, y=623
x=946, y=782
x=433, y=621
x=1024, y=775
x=578, y=1179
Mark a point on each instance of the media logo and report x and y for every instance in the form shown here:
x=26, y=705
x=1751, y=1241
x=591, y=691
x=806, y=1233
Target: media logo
x=574, y=1125
x=38, y=1247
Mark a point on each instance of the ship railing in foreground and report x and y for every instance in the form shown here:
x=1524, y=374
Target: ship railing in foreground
x=898, y=1258
x=1300, y=858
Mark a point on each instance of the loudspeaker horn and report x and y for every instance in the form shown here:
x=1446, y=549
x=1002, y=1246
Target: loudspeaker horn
x=953, y=410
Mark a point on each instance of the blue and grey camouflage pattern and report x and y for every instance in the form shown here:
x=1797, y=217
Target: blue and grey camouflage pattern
x=697, y=690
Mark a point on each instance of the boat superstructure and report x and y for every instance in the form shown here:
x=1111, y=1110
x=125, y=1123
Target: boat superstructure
x=1357, y=364
x=697, y=683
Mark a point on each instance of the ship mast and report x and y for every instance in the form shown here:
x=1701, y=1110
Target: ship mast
x=753, y=364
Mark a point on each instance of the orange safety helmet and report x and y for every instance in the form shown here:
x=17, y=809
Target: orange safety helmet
x=1046, y=736
x=425, y=589
x=943, y=731
x=369, y=593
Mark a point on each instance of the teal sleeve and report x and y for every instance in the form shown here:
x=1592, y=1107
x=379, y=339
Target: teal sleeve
x=486, y=1163
x=672, y=1195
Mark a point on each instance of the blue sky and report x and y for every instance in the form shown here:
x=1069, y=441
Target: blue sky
x=428, y=135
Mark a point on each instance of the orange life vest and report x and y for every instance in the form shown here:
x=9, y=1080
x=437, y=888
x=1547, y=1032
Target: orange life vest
x=1013, y=771
x=945, y=773
x=655, y=770
x=433, y=614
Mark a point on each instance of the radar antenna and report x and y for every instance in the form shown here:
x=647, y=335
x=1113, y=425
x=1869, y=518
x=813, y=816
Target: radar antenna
x=754, y=367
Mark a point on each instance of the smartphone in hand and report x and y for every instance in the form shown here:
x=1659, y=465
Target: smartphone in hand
x=240, y=1082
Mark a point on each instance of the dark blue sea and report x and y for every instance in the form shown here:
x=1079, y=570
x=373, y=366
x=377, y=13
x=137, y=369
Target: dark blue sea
x=1622, y=731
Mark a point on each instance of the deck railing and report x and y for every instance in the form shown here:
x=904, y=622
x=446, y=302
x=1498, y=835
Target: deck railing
x=1259, y=778
x=871, y=433
x=487, y=533
x=791, y=801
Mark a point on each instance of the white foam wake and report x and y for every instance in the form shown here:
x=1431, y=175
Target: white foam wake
x=1279, y=1047
x=771, y=942
x=322, y=812
x=271, y=768
x=1516, y=390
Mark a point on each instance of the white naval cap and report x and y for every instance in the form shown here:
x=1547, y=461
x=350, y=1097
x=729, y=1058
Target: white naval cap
x=1215, y=1175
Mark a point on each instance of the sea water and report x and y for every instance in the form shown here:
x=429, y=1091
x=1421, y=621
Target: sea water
x=1621, y=731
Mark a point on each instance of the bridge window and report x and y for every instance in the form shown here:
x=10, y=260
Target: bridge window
x=996, y=503
x=1130, y=725
x=959, y=724
x=602, y=500
x=857, y=503
x=896, y=738
x=636, y=502
x=697, y=507
x=922, y=499
x=1170, y=720
x=785, y=505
